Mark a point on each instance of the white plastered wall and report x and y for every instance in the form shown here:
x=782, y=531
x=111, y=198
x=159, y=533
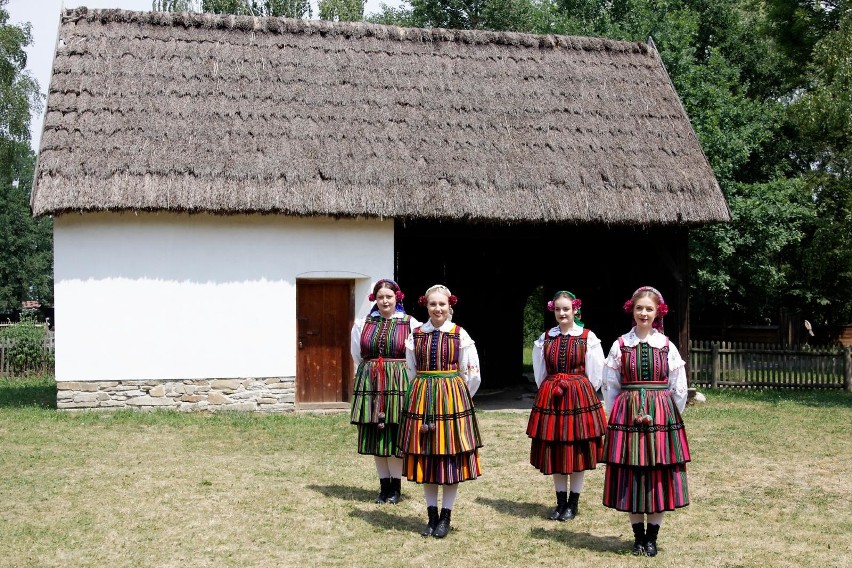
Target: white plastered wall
x=177, y=296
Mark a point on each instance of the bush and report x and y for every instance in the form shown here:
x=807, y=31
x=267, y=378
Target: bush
x=534, y=316
x=25, y=345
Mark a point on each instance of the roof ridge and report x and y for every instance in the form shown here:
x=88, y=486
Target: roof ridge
x=280, y=25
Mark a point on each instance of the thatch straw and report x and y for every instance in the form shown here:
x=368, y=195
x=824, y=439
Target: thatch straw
x=228, y=114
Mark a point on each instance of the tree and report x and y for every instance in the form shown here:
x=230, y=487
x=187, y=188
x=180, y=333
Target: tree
x=25, y=243
x=822, y=120
x=341, y=10
x=267, y=8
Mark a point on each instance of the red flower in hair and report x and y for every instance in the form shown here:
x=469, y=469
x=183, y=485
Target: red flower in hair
x=550, y=306
x=576, y=304
x=422, y=300
x=628, y=306
x=399, y=296
x=371, y=297
x=452, y=300
x=662, y=309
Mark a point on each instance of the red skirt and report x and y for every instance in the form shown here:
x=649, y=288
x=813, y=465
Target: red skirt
x=567, y=425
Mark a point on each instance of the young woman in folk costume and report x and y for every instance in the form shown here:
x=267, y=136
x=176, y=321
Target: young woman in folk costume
x=567, y=423
x=439, y=439
x=646, y=450
x=381, y=381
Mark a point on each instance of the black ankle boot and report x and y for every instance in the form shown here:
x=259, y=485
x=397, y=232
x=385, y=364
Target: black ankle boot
x=382, y=497
x=433, y=521
x=443, y=524
x=394, y=490
x=638, y=538
x=651, y=539
x=561, y=503
x=571, y=507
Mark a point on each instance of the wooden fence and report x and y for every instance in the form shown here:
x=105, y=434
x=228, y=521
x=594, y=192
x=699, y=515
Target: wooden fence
x=727, y=364
x=6, y=372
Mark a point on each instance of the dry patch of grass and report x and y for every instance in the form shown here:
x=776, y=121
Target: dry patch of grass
x=769, y=485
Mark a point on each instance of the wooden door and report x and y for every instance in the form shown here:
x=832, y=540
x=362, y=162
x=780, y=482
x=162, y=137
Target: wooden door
x=324, y=322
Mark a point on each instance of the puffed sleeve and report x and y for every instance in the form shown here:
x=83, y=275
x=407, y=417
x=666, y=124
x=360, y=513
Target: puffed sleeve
x=410, y=360
x=677, y=378
x=594, y=360
x=539, y=367
x=612, y=377
x=469, y=363
x=355, y=341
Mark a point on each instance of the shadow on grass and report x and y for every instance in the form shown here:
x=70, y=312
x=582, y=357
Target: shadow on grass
x=346, y=492
x=582, y=539
x=821, y=398
x=385, y=519
x=39, y=392
x=515, y=508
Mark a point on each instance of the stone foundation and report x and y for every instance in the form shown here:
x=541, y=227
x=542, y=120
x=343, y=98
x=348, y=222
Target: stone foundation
x=251, y=395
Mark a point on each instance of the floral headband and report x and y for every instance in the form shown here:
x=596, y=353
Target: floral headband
x=386, y=283
x=576, y=305
x=452, y=299
x=662, y=308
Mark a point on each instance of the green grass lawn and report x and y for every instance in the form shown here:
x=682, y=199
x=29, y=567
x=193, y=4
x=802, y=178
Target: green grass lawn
x=769, y=486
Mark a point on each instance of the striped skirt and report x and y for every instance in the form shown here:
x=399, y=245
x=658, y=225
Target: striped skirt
x=646, y=452
x=439, y=436
x=567, y=425
x=377, y=405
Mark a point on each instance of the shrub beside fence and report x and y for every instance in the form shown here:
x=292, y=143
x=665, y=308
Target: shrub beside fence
x=727, y=364
x=45, y=367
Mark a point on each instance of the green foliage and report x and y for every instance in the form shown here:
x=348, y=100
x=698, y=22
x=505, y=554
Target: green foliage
x=273, y=8
x=393, y=16
x=821, y=118
x=176, y=5
x=534, y=316
x=746, y=265
x=25, y=243
x=19, y=93
x=341, y=10
x=25, y=345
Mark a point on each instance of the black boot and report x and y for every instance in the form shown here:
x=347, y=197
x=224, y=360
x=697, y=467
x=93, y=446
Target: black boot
x=571, y=507
x=638, y=539
x=385, y=489
x=394, y=490
x=443, y=524
x=433, y=521
x=561, y=503
x=651, y=539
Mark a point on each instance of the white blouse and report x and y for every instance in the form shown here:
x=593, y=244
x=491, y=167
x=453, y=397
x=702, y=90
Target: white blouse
x=594, y=356
x=358, y=328
x=612, y=369
x=468, y=357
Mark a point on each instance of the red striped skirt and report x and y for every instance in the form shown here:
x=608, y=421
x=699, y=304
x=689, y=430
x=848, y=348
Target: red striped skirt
x=646, y=452
x=567, y=425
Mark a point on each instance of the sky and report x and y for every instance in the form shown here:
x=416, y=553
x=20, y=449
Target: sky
x=44, y=17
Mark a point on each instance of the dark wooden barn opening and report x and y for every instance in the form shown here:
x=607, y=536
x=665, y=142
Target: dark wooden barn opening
x=494, y=268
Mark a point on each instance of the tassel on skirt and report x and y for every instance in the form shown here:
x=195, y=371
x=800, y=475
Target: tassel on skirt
x=377, y=404
x=567, y=425
x=439, y=437
x=661, y=442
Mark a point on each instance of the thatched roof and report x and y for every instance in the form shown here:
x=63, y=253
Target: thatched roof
x=225, y=114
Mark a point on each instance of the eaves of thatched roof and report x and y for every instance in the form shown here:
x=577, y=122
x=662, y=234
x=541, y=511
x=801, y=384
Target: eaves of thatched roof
x=225, y=114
